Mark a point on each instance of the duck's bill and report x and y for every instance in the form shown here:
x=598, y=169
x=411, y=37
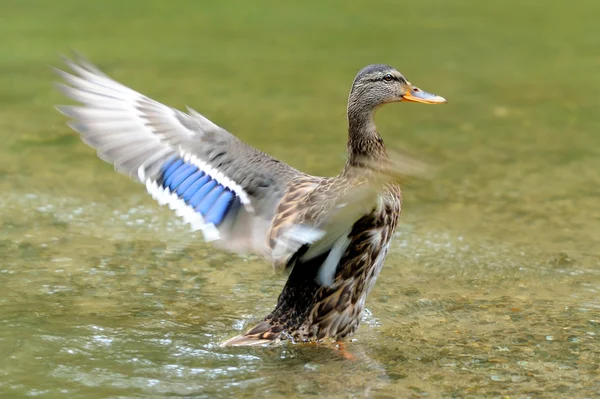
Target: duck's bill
x=417, y=95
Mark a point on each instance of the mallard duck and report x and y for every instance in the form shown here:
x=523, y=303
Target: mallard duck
x=331, y=233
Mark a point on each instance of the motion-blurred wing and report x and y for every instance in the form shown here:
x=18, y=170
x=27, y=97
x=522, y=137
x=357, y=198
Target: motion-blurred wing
x=215, y=182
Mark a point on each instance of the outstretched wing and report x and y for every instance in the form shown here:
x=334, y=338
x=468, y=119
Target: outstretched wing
x=214, y=181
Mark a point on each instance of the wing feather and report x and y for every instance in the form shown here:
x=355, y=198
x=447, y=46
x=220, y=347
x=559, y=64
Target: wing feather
x=244, y=199
x=140, y=136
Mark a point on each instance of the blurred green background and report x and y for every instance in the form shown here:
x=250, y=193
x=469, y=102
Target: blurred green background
x=492, y=284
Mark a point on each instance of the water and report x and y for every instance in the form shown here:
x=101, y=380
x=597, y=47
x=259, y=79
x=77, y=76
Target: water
x=492, y=286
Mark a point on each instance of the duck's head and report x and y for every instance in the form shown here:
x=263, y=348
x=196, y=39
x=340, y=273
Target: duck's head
x=379, y=84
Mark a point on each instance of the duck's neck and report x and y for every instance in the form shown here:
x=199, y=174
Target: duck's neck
x=364, y=142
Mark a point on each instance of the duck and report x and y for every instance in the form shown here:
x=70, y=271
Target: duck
x=330, y=234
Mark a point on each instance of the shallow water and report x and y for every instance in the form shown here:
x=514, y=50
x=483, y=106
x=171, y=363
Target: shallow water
x=492, y=285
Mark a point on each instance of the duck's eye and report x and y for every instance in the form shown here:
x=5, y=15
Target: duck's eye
x=388, y=77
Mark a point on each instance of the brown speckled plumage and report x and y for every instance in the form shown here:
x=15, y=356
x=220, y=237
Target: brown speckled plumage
x=307, y=310
x=331, y=233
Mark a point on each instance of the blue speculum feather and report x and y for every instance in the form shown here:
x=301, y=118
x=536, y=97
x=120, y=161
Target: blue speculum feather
x=209, y=200
x=181, y=189
x=193, y=189
x=176, y=171
x=170, y=163
x=181, y=174
x=170, y=167
x=201, y=193
x=220, y=208
x=198, y=190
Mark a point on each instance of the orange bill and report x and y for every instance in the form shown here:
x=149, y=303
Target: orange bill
x=417, y=95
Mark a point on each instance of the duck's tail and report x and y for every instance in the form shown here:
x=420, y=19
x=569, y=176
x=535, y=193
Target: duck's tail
x=263, y=333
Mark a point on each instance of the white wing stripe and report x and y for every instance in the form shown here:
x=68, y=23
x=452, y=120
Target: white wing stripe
x=219, y=177
x=165, y=197
x=327, y=270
